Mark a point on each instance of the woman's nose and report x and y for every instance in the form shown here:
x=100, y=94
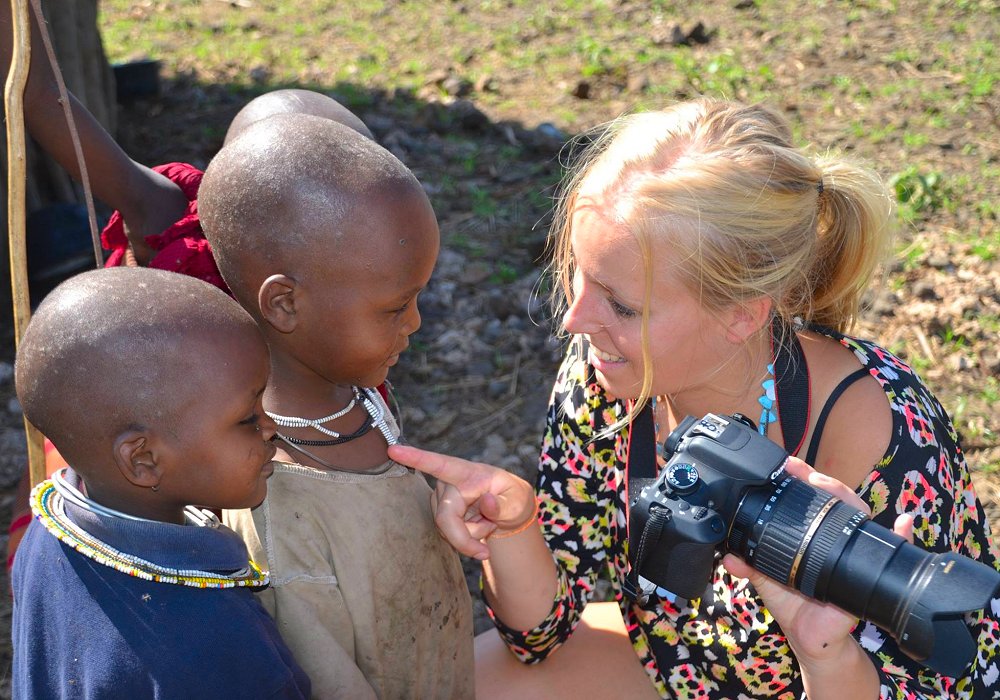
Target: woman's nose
x=579, y=318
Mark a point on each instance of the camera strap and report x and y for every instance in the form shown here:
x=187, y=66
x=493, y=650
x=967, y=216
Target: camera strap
x=640, y=470
x=791, y=380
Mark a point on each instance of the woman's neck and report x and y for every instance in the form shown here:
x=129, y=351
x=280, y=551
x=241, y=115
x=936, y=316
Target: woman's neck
x=736, y=387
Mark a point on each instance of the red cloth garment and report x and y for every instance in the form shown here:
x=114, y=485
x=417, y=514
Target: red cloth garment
x=181, y=247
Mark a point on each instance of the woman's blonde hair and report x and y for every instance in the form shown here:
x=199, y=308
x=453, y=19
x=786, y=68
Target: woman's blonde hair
x=747, y=214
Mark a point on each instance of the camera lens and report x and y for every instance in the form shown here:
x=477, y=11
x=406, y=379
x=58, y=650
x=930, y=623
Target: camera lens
x=788, y=531
x=832, y=552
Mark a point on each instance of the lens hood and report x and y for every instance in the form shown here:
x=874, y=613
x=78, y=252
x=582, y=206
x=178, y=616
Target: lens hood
x=932, y=628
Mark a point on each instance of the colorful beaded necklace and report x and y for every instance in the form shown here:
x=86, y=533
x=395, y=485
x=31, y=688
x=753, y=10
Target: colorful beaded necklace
x=48, y=500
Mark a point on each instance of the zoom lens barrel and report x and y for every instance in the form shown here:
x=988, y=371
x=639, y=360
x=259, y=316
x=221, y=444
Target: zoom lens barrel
x=809, y=540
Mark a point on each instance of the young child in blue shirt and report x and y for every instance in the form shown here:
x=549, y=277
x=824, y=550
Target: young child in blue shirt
x=150, y=385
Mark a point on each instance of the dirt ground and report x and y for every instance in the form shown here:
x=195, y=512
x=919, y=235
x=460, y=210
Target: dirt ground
x=479, y=99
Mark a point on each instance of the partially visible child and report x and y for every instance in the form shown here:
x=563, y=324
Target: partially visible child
x=294, y=101
x=181, y=247
x=327, y=240
x=156, y=220
x=150, y=384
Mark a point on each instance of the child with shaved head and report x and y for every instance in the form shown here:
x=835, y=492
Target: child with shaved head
x=327, y=239
x=149, y=384
x=147, y=200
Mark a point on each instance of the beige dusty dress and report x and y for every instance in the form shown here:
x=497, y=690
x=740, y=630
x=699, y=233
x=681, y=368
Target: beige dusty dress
x=365, y=592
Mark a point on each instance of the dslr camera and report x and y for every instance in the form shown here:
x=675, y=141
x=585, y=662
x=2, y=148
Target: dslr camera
x=724, y=489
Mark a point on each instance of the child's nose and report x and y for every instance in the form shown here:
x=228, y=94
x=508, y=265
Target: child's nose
x=413, y=320
x=267, y=426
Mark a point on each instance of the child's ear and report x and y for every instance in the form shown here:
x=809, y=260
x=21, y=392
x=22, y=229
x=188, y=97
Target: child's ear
x=276, y=299
x=747, y=318
x=136, y=458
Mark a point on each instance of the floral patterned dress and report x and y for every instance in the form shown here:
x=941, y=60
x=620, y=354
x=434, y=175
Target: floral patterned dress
x=727, y=645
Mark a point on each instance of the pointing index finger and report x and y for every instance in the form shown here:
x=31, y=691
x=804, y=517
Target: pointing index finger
x=450, y=470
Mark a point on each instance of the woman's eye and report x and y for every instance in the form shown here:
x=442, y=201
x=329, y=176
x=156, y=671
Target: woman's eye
x=621, y=309
x=251, y=420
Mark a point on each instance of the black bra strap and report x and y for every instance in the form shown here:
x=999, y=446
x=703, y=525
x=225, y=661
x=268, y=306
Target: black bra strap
x=845, y=383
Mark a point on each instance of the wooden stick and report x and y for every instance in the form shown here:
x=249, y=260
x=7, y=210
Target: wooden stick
x=13, y=96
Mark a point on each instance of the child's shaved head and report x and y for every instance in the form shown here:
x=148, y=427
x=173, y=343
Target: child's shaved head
x=119, y=348
x=293, y=190
x=294, y=101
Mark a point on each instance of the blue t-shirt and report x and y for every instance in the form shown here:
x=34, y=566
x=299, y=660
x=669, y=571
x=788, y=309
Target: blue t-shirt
x=84, y=630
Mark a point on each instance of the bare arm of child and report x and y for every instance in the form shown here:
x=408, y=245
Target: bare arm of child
x=148, y=201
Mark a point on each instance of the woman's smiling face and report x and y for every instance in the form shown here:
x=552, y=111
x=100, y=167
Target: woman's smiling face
x=687, y=343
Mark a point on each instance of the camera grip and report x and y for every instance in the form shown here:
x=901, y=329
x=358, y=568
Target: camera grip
x=682, y=561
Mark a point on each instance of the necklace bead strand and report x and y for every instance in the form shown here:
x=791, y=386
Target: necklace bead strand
x=48, y=506
x=316, y=423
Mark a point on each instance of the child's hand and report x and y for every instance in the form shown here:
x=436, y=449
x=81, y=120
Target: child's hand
x=471, y=500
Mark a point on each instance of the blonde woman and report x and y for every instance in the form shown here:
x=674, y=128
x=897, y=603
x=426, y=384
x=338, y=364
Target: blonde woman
x=697, y=248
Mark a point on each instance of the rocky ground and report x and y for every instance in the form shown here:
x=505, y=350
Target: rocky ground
x=485, y=138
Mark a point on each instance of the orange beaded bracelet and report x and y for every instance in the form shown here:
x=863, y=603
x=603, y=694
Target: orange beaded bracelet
x=520, y=528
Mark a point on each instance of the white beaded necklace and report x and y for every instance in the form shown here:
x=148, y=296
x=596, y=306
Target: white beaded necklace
x=368, y=398
x=317, y=423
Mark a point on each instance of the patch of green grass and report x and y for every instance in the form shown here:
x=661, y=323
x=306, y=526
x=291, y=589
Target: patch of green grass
x=915, y=139
x=913, y=254
x=482, y=202
x=987, y=247
x=723, y=75
x=918, y=193
x=990, y=391
x=504, y=273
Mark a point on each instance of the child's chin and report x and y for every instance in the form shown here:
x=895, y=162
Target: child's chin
x=375, y=379
x=252, y=503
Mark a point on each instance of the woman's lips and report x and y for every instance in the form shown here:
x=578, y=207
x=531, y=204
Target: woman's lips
x=601, y=359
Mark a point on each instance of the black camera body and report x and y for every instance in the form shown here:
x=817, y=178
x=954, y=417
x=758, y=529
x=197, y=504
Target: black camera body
x=724, y=489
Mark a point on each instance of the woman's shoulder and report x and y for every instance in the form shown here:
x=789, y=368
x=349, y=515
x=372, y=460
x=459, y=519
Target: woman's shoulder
x=892, y=372
x=898, y=380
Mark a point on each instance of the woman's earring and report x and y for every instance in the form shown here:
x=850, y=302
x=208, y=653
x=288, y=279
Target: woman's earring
x=155, y=488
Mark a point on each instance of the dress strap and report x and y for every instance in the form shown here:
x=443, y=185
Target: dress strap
x=845, y=383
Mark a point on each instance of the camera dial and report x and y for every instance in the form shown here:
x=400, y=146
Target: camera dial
x=682, y=477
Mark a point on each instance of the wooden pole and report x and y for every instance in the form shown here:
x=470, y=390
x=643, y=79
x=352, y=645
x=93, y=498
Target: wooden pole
x=13, y=95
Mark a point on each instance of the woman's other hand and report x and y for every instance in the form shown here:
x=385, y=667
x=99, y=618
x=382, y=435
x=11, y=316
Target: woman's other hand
x=819, y=633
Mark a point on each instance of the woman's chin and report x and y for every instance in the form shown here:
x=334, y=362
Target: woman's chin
x=617, y=389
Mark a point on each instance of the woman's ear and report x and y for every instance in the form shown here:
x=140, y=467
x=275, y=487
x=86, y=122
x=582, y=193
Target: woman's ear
x=137, y=458
x=276, y=299
x=747, y=318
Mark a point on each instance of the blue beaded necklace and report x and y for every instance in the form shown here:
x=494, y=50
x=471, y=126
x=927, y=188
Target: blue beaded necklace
x=767, y=401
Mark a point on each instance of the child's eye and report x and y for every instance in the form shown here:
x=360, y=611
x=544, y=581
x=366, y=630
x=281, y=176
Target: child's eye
x=399, y=310
x=620, y=309
x=250, y=420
